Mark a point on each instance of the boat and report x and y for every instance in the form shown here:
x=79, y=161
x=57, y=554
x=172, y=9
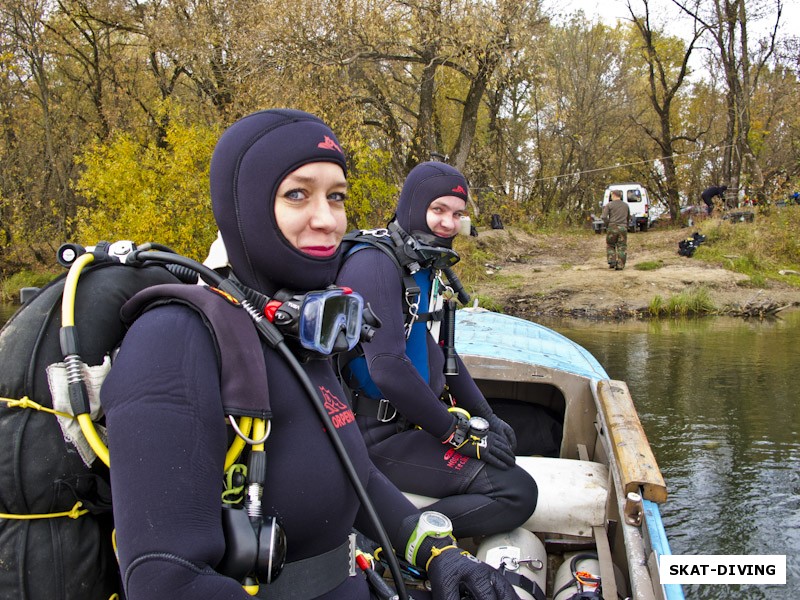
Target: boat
x=601, y=492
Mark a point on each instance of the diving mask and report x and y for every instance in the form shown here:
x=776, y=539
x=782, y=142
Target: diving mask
x=431, y=252
x=323, y=321
x=328, y=313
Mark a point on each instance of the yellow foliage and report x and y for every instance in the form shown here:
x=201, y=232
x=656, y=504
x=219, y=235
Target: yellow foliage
x=148, y=193
x=371, y=197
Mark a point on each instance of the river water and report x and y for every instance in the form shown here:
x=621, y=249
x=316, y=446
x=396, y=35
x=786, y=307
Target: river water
x=718, y=400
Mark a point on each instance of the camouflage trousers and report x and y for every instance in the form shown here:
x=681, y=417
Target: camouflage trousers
x=617, y=245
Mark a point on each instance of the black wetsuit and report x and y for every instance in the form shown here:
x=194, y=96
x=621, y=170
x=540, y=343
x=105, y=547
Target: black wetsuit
x=478, y=498
x=167, y=431
x=168, y=441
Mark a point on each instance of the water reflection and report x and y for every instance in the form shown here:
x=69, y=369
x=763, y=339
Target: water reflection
x=6, y=310
x=718, y=402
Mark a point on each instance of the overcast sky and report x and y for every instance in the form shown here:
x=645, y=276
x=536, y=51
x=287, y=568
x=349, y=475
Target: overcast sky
x=661, y=10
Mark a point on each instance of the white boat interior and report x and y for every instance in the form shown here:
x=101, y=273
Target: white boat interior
x=581, y=439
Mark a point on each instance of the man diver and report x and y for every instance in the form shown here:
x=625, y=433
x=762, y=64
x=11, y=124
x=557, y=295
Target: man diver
x=401, y=393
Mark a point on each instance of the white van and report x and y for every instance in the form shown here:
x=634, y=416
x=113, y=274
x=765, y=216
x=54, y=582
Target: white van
x=638, y=201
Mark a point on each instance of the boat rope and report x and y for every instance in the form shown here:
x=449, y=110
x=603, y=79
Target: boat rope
x=72, y=513
x=26, y=402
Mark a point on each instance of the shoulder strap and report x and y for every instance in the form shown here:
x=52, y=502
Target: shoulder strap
x=374, y=238
x=243, y=372
x=359, y=239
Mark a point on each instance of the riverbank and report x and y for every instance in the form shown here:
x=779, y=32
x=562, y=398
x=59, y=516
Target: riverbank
x=566, y=275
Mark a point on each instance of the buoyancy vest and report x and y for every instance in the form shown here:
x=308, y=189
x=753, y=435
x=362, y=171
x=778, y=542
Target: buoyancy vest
x=51, y=547
x=416, y=291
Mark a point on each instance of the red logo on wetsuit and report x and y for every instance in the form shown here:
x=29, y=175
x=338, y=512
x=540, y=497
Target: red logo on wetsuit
x=329, y=144
x=339, y=412
x=455, y=460
x=459, y=190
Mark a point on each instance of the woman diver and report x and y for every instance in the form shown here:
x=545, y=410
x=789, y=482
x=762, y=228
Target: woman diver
x=278, y=189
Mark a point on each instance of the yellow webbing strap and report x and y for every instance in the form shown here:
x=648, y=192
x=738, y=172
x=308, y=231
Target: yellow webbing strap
x=26, y=402
x=72, y=513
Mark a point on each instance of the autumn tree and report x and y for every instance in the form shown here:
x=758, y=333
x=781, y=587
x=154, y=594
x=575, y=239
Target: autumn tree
x=150, y=193
x=666, y=62
x=728, y=23
x=580, y=117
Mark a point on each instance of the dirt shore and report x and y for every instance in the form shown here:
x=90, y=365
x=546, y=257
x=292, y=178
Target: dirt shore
x=567, y=275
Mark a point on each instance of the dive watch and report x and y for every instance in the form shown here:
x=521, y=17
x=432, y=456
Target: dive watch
x=478, y=426
x=431, y=524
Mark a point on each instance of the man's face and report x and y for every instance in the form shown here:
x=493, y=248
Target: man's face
x=444, y=215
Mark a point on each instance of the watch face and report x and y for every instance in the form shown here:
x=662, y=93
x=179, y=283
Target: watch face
x=479, y=424
x=435, y=522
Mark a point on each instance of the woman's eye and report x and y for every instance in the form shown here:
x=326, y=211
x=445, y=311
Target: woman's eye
x=337, y=196
x=294, y=194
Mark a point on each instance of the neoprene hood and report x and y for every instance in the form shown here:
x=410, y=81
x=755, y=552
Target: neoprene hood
x=249, y=162
x=426, y=182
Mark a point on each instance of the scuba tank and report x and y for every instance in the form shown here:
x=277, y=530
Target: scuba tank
x=52, y=548
x=55, y=504
x=522, y=558
x=578, y=578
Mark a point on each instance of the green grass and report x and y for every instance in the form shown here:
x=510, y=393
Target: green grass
x=10, y=287
x=487, y=302
x=696, y=301
x=649, y=265
x=759, y=249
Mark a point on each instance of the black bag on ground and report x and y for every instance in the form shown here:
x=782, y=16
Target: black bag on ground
x=688, y=246
x=496, y=222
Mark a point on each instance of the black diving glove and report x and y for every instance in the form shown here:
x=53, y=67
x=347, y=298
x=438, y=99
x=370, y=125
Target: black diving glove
x=453, y=572
x=497, y=425
x=488, y=446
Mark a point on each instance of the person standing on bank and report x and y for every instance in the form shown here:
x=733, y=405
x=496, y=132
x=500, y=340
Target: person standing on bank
x=616, y=215
x=278, y=190
x=399, y=387
x=708, y=195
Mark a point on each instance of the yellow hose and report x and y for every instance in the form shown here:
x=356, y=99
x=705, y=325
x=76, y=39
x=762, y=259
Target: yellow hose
x=68, y=320
x=245, y=424
x=259, y=428
x=71, y=288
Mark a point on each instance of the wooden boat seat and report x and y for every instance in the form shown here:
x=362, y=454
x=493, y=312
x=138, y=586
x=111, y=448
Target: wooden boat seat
x=572, y=495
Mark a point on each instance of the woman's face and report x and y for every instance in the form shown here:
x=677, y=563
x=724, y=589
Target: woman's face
x=444, y=215
x=309, y=208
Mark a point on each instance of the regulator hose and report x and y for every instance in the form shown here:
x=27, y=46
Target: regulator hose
x=457, y=286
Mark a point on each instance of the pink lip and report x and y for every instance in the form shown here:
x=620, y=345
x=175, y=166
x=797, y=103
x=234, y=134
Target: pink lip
x=319, y=251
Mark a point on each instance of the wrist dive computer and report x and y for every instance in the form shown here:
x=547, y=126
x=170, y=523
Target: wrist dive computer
x=431, y=524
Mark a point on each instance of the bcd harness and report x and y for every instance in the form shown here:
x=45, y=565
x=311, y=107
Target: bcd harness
x=255, y=545
x=421, y=268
